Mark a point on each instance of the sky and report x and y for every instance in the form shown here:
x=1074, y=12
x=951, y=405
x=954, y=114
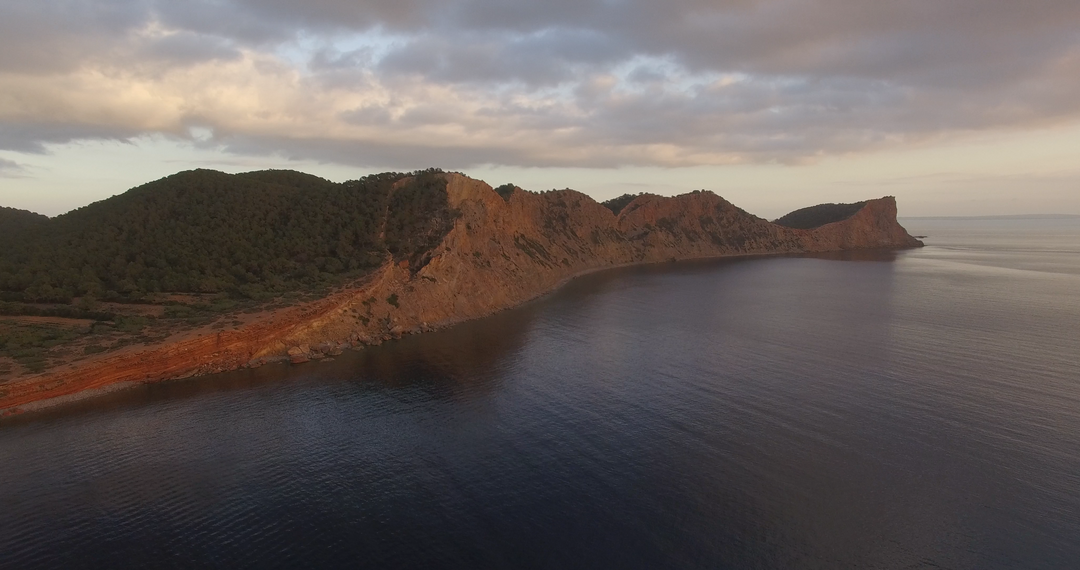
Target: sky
x=956, y=107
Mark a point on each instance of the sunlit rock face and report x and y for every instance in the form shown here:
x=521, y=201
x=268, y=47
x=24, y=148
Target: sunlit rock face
x=502, y=250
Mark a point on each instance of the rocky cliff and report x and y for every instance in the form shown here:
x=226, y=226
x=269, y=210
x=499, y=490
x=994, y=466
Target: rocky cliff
x=501, y=251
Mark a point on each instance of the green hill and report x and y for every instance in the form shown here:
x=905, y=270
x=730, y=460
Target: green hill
x=251, y=235
x=13, y=222
x=817, y=216
x=616, y=205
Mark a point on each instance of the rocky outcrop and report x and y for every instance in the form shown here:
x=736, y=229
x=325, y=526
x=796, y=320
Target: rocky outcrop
x=500, y=252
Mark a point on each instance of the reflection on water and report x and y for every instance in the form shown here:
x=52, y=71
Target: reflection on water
x=471, y=355
x=876, y=410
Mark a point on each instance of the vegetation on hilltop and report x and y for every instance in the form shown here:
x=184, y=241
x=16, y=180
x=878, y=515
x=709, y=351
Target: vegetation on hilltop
x=13, y=222
x=506, y=190
x=418, y=217
x=817, y=216
x=616, y=205
x=186, y=249
x=250, y=235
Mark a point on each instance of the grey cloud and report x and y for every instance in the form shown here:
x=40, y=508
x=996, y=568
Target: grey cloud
x=234, y=20
x=933, y=46
x=648, y=74
x=375, y=154
x=43, y=37
x=332, y=60
x=10, y=168
x=32, y=137
x=259, y=22
x=814, y=76
x=774, y=37
x=368, y=115
x=541, y=59
x=185, y=47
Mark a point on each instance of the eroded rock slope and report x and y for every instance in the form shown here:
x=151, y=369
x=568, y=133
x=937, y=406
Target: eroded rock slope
x=499, y=253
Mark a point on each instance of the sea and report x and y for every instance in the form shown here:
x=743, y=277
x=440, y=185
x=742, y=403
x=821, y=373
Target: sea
x=889, y=410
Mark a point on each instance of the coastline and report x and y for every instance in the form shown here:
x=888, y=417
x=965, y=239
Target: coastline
x=38, y=405
x=501, y=253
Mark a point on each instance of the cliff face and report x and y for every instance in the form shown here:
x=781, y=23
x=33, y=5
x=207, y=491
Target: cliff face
x=498, y=254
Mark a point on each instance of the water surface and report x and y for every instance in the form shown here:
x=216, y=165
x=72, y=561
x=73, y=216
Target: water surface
x=909, y=410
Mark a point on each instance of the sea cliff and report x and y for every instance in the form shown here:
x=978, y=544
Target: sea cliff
x=504, y=249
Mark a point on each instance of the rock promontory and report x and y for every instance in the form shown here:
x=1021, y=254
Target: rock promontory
x=498, y=250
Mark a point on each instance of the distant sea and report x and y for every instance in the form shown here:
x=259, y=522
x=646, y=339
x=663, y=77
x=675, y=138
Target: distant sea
x=918, y=409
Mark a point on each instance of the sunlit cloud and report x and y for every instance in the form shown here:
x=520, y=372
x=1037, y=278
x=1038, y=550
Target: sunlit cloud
x=466, y=84
x=566, y=84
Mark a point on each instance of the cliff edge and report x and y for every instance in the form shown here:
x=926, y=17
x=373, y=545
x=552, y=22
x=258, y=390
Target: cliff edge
x=503, y=249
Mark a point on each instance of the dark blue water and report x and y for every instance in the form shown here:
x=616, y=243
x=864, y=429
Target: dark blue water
x=916, y=410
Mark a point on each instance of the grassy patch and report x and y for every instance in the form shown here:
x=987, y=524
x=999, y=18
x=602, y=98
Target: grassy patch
x=29, y=345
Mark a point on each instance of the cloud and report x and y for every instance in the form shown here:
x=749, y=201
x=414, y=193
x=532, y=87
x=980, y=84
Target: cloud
x=10, y=169
x=409, y=83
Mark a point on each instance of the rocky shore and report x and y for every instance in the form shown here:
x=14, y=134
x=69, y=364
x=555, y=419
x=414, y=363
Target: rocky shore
x=502, y=251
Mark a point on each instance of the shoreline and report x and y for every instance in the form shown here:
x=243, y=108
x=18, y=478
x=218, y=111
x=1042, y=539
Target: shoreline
x=51, y=403
x=501, y=252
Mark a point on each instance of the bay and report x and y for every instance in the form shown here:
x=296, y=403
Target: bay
x=876, y=410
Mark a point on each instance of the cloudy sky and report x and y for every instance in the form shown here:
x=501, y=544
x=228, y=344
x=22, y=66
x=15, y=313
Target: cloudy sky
x=954, y=106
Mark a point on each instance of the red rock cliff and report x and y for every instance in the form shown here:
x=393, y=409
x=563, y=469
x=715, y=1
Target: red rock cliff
x=499, y=254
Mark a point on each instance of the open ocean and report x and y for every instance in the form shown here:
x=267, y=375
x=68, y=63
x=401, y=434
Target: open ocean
x=918, y=409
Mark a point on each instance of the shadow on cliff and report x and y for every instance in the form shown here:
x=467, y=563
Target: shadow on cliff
x=470, y=357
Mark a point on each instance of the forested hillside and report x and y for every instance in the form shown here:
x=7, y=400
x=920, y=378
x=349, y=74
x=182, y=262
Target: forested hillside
x=249, y=235
x=817, y=216
x=13, y=222
x=616, y=205
x=196, y=249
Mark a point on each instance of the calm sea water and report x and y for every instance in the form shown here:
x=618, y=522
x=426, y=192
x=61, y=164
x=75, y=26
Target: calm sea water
x=915, y=410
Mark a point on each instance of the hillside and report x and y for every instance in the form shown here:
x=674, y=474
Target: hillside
x=817, y=216
x=14, y=222
x=404, y=254
x=250, y=235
